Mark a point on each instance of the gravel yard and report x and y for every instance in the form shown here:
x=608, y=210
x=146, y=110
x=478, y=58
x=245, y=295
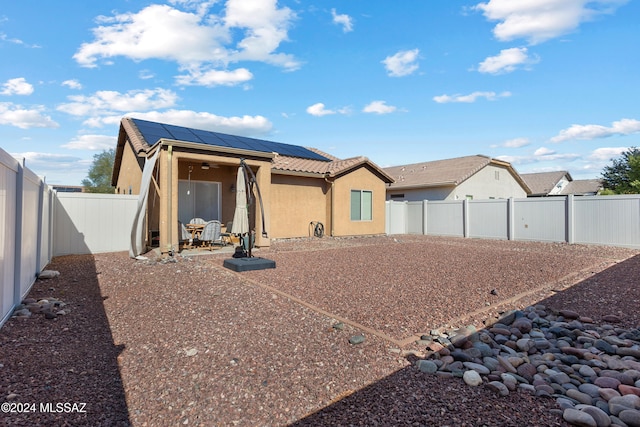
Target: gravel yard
x=188, y=342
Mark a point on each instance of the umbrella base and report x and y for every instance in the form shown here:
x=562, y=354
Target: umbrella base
x=248, y=264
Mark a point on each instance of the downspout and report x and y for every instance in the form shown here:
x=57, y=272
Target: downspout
x=326, y=178
x=169, y=199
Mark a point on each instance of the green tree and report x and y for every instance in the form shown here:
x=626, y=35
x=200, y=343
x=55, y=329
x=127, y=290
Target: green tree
x=623, y=175
x=99, y=178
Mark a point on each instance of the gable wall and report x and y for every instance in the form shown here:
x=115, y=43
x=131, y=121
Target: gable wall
x=484, y=185
x=130, y=172
x=359, y=179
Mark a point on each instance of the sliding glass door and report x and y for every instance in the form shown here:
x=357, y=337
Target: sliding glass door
x=198, y=199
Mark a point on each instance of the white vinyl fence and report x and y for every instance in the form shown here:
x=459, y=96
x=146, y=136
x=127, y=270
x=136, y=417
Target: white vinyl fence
x=25, y=224
x=36, y=224
x=599, y=220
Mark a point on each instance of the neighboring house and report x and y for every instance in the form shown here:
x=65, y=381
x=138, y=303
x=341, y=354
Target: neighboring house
x=560, y=183
x=68, y=188
x=470, y=177
x=195, y=176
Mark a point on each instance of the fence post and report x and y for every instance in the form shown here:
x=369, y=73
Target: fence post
x=424, y=217
x=40, y=219
x=387, y=215
x=17, y=263
x=569, y=209
x=510, y=216
x=465, y=217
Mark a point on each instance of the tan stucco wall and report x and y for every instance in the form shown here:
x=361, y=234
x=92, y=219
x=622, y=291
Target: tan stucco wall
x=359, y=179
x=130, y=172
x=296, y=201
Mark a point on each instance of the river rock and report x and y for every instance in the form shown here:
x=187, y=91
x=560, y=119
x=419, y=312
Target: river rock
x=599, y=416
x=472, y=378
x=630, y=417
x=498, y=387
x=578, y=418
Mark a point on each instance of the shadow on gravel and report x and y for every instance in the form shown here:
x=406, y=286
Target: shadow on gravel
x=65, y=369
x=411, y=397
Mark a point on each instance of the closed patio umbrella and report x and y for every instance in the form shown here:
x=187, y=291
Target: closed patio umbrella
x=241, y=215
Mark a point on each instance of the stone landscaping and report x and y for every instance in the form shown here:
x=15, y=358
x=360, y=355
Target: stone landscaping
x=592, y=371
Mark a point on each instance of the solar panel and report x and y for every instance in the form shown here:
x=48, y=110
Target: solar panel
x=152, y=132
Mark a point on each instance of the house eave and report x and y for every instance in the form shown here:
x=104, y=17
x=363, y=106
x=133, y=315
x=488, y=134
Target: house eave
x=420, y=186
x=216, y=148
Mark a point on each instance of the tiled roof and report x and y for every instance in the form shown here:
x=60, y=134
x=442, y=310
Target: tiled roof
x=437, y=173
x=333, y=168
x=542, y=183
x=583, y=187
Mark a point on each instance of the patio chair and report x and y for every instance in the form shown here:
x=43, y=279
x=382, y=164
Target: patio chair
x=211, y=235
x=185, y=237
x=197, y=221
x=226, y=235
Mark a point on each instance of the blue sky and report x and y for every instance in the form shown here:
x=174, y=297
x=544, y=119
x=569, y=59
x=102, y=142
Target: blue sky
x=544, y=84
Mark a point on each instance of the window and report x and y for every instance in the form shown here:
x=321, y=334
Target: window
x=497, y=175
x=469, y=196
x=361, y=205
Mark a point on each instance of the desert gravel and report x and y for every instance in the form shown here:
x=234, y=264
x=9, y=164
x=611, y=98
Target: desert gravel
x=185, y=341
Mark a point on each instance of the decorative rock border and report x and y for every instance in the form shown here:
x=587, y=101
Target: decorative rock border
x=593, y=371
x=50, y=307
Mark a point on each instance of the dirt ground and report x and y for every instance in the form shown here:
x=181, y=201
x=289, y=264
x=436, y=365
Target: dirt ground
x=185, y=341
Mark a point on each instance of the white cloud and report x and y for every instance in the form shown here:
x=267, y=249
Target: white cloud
x=607, y=153
x=91, y=142
x=541, y=20
x=543, y=151
x=5, y=38
x=541, y=155
x=516, y=143
x=17, y=86
x=244, y=126
x=72, y=168
x=107, y=102
x=198, y=42
x=72, y=84
x=506, y=61
x=620, y=127
x=319, y=110
x=25, y=118
x=265, y=27
x=472, y=97
x=146, y=74
x=345, y=20
x=212, y=78
x=402, y=63
x=379, y=107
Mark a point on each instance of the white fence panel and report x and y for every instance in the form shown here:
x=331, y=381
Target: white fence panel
x=488, y=219
x=29, y=256
x=607, y=219
x=22, y=238
x=8, y=177
x=92, y=223
x=415, y=223
x=445, y=218
x=396, y=221
x=600, y=220
x=540, y=219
